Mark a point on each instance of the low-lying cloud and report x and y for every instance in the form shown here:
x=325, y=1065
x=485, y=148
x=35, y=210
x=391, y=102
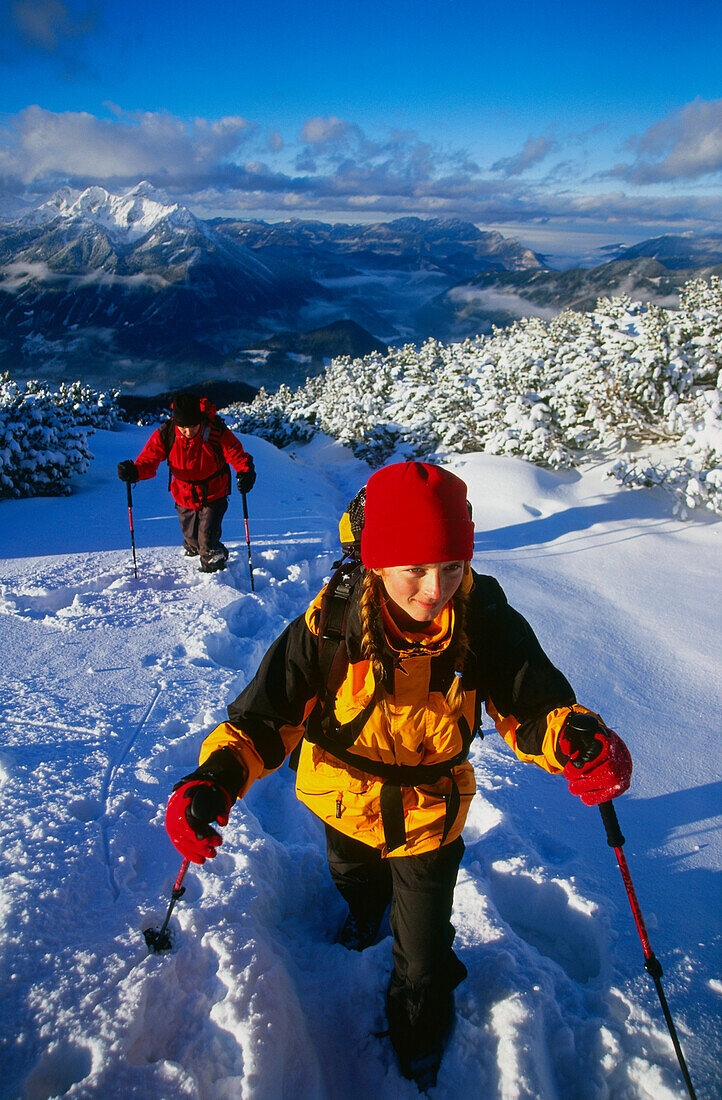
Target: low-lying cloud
x=472, y=300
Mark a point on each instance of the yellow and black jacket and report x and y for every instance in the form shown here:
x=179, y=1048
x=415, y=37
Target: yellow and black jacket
x=398, y=782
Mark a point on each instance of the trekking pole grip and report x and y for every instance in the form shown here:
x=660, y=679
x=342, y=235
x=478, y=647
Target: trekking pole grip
x=129, y=494
x=611, y=824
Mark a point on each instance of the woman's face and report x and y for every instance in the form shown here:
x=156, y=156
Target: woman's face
x=417, y=593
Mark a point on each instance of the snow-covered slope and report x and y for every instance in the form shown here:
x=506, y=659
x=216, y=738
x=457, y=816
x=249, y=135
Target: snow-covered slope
x=108, y=685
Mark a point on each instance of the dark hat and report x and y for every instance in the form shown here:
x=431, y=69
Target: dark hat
x=186, y=410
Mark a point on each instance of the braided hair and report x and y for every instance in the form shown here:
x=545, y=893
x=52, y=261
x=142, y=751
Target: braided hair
x=373, y=640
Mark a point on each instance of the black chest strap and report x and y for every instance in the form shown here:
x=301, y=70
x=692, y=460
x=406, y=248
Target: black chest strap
x=397, y=776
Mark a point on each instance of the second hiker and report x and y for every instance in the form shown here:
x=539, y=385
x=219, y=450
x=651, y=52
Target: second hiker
x=199, y=450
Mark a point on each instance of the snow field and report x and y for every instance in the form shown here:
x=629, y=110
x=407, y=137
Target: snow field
x=108, y=686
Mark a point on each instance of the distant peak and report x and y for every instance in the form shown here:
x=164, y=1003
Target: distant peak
x=128, y=215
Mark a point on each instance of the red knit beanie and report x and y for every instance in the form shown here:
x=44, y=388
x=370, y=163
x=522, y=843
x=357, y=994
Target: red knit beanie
x=415, y=514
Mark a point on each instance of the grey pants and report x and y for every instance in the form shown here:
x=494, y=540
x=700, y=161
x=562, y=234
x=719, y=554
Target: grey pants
x=201, y=528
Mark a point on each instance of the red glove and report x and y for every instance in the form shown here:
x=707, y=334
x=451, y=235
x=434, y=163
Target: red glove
x=598, y=766
x=191, y=807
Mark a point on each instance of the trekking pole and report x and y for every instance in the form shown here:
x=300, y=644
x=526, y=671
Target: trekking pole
x=132, y=532
x=651, y=963
x=160, y=941
x=248, y=540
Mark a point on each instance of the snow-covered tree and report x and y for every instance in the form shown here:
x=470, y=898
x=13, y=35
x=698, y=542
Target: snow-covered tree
x=44, y=435
x=626, y=381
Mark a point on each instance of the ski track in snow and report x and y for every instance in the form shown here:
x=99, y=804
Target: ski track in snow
x=108, y=687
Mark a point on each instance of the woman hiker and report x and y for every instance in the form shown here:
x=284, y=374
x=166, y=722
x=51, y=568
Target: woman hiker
x=384, y=732
x=198, y=448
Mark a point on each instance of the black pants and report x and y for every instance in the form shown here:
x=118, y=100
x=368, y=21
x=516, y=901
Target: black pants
x=201, y=527
x=421, y=892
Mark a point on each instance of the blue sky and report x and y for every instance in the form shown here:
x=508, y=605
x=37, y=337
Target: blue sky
x=567, y=124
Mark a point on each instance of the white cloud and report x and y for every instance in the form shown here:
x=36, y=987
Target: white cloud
x=230, y=165
x=42, y=144
x=685, y=145
x=326, y=131
x=533, y=151
x=475, y=299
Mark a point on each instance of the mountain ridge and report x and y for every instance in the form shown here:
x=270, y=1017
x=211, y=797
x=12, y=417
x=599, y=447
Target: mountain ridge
x=133, y=289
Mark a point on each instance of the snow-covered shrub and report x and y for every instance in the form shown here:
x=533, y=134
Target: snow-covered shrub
x=44, y=435
x=612, y=382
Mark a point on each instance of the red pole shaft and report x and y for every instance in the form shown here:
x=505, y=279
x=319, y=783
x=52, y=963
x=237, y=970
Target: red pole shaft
x=181, y=874
x=651, y=963
x=248, y=539
x=634, y=903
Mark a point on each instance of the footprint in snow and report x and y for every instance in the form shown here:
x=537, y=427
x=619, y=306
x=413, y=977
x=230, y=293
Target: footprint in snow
x=61, y=1066
x=86, y=809
x=545, y=915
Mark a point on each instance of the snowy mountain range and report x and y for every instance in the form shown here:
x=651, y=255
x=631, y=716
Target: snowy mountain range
x=154, y=297
x=137, y=282
x=685, y=250
x=133, y=282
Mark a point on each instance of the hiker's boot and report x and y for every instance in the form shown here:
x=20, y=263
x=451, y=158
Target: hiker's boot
x=214, y=563
x=419, y=1028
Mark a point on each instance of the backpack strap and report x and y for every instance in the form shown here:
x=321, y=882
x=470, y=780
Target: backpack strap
x=397, y=776
x=335, y=605
x=167, y=437
x=212, y=431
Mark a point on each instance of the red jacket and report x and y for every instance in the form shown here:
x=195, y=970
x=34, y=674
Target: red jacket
x=198, y=460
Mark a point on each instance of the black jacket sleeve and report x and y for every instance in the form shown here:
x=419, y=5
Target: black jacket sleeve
x=514, y=674
x=279, y=694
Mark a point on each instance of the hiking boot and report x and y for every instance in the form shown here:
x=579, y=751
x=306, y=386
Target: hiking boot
x=191, y=551
x=212, y=566
x=419, y=1029
x=215, y=560
x=423, y=1069
x=357, y=935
